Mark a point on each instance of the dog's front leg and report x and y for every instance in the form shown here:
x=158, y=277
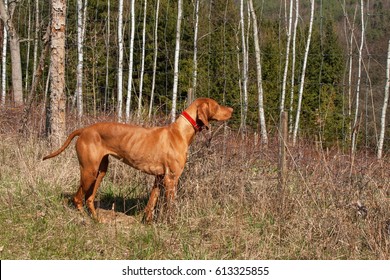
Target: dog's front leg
x=148, y=216
x=170, y=185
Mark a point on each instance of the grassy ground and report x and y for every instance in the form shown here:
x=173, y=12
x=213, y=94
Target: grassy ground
x=228, y=206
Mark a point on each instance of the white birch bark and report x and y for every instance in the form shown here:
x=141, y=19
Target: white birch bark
x=357, y=104
x=195, y=71
x=176, y=62
x=17, y=80
x=120, y=61
x=350, y=54
x=248, y=28
x=384, y=108
x=131, y=62
x=244, y=68
x=302, y=82
x=36, y=42
x=293, y=58
x=239, y=69
x=141, y=80
x=350, y=58
x=284, y=83
x=107, y=54
x=28, y=48
x=263, y=129
x=81, y=15
x=154, y=59
x=4, y=62
x=209, y=49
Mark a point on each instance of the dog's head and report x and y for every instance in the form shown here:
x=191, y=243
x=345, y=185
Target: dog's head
x=208, y=109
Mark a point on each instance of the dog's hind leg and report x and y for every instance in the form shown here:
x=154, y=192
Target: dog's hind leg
x=87, y=180
x=92, y=172
x=91, y=193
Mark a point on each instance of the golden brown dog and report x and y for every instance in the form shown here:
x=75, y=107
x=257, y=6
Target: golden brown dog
x=159, y=151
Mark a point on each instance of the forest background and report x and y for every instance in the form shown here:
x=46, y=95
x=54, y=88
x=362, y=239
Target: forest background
x=334, y=78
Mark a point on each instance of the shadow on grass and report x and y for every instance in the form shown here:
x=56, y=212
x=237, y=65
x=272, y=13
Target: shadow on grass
x=127, y=206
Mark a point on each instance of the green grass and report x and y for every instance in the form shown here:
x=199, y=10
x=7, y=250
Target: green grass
x=228, y=207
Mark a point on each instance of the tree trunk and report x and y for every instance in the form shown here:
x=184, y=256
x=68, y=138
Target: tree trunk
x=131, y=62
x=384, y=108
x=120, y=60
x=357, y=104
x=244, y=69
x=177, y=57
x=56, y=110
x=350, y=55
x=36, y=41
x=141, y=80
x=81, y=21
x=196, y=27
x=4, y=65
x=239, y=70
x=107, y=42
x=263, y=129
x=28, y=48
x=17, y=84
x=210, y=33
x=154, y=59
x=293, y=65
x=303, y=74
x=284, y=83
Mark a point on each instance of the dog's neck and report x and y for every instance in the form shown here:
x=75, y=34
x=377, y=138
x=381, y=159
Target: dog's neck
x=185, y=127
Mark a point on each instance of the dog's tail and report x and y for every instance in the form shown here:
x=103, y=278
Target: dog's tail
x=65, y=145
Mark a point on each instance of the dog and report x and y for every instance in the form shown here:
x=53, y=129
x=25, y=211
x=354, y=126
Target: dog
x=159, y=151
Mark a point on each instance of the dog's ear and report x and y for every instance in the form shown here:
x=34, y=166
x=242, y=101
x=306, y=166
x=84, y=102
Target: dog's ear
x=203, y=114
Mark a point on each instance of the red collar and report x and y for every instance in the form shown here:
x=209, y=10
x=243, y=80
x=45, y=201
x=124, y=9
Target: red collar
x=192, y=121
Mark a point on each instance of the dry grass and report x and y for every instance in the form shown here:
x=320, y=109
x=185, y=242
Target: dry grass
x=228, y=206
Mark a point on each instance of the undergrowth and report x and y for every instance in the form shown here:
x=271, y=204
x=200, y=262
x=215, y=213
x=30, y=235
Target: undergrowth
x=228, y=206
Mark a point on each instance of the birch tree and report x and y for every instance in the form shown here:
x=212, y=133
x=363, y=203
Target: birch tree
x=384, y=108
x=28, y=46
x=81, y=22
x=195, y=71
x=141, y=80
x=357, y=104
x=293, y=59
x=4, y=63
x=56, y=110
x=154, y=58
x=284, y=83
x=107, y=41
x=263, y=129
x=244, y=68
x=7, y=18
x=349, y=42
x=120, y=60
x=36, y=40
x=131, y=62
x=302, y=82
x=350, y=56
x=177, y=57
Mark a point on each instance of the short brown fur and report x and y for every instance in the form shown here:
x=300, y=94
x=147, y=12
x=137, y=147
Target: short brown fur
x=159, y=151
